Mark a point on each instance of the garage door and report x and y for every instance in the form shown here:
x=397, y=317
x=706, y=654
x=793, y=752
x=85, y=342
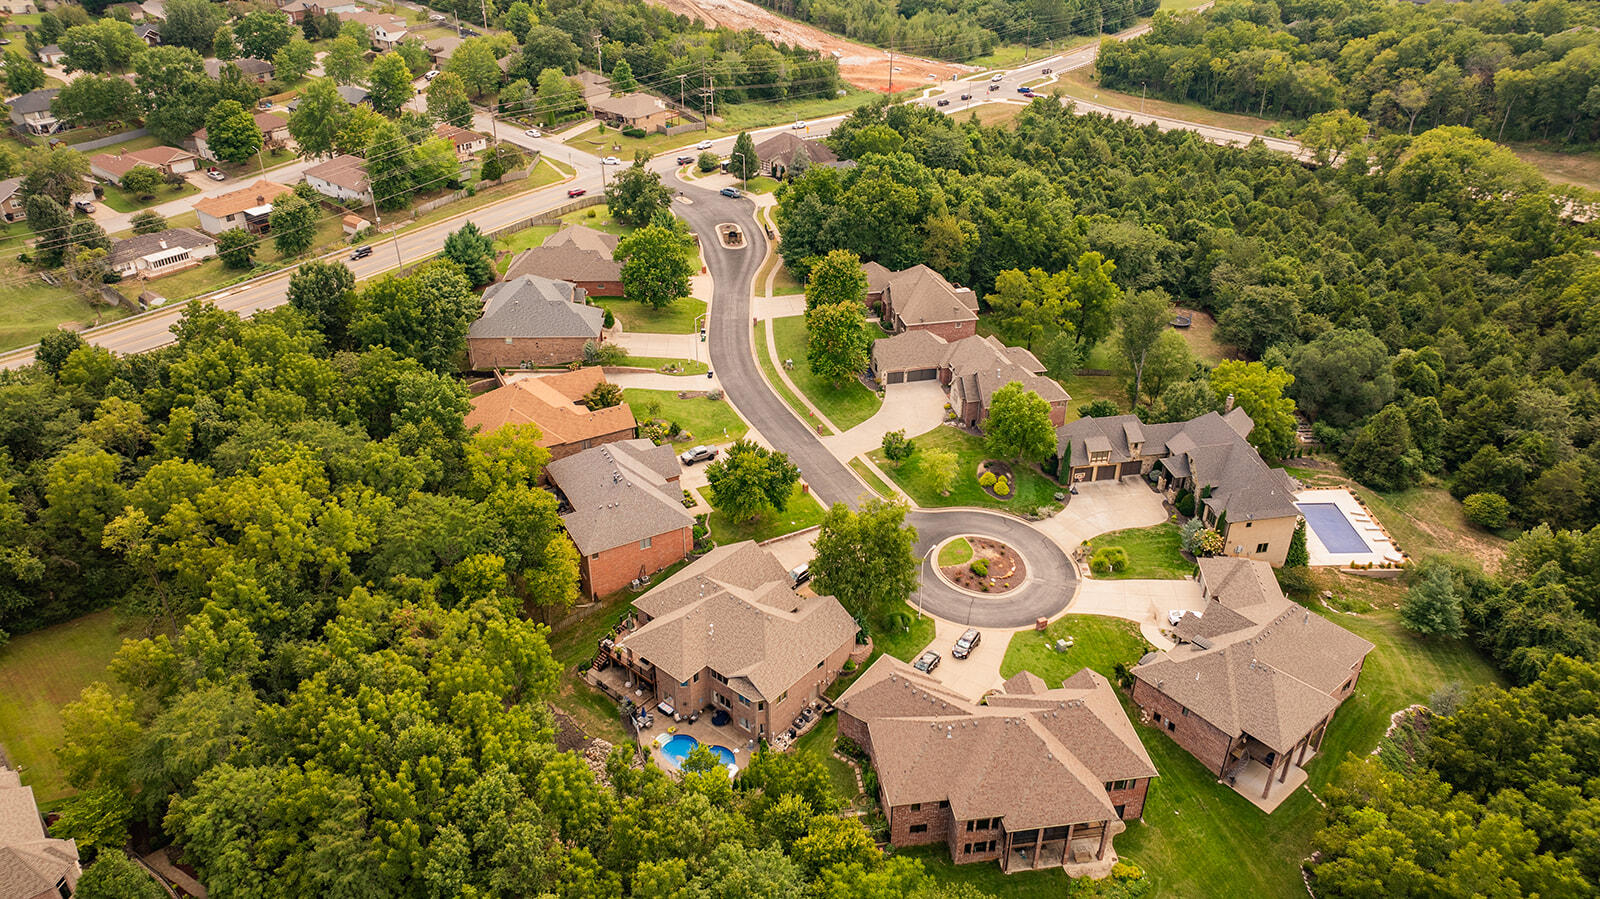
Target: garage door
x=922, y=374
x=897, y=377
x=1128, y=468
x=1105, y=473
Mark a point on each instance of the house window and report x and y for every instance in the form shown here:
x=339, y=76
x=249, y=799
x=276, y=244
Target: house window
x=919, y=828
x=594, y=556
x=696, y=677
x=782, y=696
x=744, y=702
x=645, y=543
x=1172, y=725
x=508, y=341
x=1119, y=785
x=1347, y=685
x=719, y=678
x=1158, y=717
x=966, y=848
x=1260, y=547
x=1185, y=713
x=944, y=803
x=916, y=806
x=683, y=683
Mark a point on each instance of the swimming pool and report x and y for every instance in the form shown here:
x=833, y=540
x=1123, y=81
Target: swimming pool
x=1333, y=528
x=677, y=747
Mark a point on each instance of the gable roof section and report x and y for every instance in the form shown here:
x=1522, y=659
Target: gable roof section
x=877, y=276
x=34, y=101
x=564, y=263
x=628, y=106
x=620, y=493
x=553, y=403
x=31, y=862
x=919, y=296
x=130, y=248
x=261, y=193
x=458, y=136
x=594, y=86
x=781, y=147
x=531, y=306
x=736, y=612
x=348, y=172
x=8, y=188
x=584, y=238
x=979, y=366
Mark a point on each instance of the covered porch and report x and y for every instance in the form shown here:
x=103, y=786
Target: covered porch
x=1267, y=777
x=1081, y=850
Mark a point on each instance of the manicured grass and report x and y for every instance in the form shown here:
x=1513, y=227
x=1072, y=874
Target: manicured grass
x=707, y=420
x=784, y=284
x=612, y=142
x=988, y=879
x=871, y=476
x=1033, y=489
x=819, y=744
x=598, y=218
x=678, y=318
x=847, y=405
x=761, y=184
x=907, y=643
x=683, y=367
x=127, y=146
x=212, y=275
x=1080, y=84
x=770, y=369
x=956, y=552
x=803, y=511
x=250, y=169
x=122, y=201
x=1098, y=642
x=30, y=308
x=1153, y=552
x=526, y=239
x=39, y=673
x=738, y=117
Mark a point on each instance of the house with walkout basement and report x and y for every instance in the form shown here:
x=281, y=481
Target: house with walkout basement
x=729, y=633
x=1253, y=682
x=162, y=253
x=1033, y=777
x=1250, y=503
x=529, y=321
x=32, y=864
x=970, y=370
x=578, y=255
x=554, y=404
x=624, y=511
x=920, y=299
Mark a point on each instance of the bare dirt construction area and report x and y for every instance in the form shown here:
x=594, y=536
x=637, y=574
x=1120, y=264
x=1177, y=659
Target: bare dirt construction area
x=862, y=66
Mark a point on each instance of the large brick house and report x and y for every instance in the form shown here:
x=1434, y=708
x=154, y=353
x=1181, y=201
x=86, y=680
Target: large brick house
x=32, y=864
x=1254, y=679
x=554, y=403
x=1033, y=777
x=531, y=321
x=1249, y=502
x=731, y=632
x=920, y=299
x=578, y=255
x=777, y=153
x=624, y=512
x=970, y=369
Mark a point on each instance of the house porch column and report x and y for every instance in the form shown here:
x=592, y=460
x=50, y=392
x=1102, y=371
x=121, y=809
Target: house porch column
x=1038, y=845
x=1305, y=746
x=1271, y=770
x=1105, y=839
x=1288, y=762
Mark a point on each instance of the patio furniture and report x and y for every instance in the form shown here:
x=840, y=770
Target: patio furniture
x=720, y=718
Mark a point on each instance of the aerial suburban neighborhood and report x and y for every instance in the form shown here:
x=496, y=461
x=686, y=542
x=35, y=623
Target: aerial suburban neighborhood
x=660, y=448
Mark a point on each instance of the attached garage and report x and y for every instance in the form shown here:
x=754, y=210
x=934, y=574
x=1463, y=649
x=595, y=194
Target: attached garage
x=1105, y=472
x=1129, y=468
x=897, y=377
x=922, y=374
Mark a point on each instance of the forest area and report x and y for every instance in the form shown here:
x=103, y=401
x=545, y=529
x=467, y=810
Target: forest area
x=1509, y=71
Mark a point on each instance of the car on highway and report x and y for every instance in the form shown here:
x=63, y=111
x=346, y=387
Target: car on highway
x=611, y=160
x=943, y=101
x=1024, y=89
x=731, y=193
x=361, y=252
x=966, y=643
x=577, y=192
x=703, y=145
x=926, y=662
x=534, y=132
x=966, y=96
x=685, y=160
x=798, y=124
x=216, y=174
x=698, y=454
x=998, y=76
x=1046, y=70
x=994, y=87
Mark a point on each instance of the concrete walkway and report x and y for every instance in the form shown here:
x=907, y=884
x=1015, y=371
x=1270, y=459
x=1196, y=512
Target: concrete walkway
x=764, y=308
x=1145, y=602
x=917, y=407
x=158, y=860
x=654, y=380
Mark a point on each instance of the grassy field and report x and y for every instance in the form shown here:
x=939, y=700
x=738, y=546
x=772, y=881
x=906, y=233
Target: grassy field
x=803, y=511
x=610, y=142
x=871, y=476
x=1032, y=488
x=903, y=644
x=745, y=116
x=251, y=168
x=30, y=309
x=956, y=552
x=1153, y=552
x=683, y=367
x=819, y=744
x=526, y=239
x=1098, y=642
x=770, y=369
x=761, y=184
x=678, y=318
x=1578, y=169
x=598, y=218
x=706, y=420
x=122, y=201
x=39, y=673
x=784, y=284
x=845, y=406
x=988, y=878
x=1080, y=84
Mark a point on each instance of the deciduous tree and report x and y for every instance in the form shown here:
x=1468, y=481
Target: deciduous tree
x=743, y=161
x=655, y=265
x=837, y=345
x=473, y=251
x=1258, y=389
x=231, y=132
x=325, y=293
x=316, y=122
x=1018, y=425
x=447, y=100
x=750, y=479
x=1142, y=318
x=475, y=64
x=867, y=560
x=837, y=278
x=261, y=34
x=294, y=224
x=236, y=248
x=637, y=194
x=388, y=84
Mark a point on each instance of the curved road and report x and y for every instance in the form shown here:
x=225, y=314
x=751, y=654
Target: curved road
x=1052, y=578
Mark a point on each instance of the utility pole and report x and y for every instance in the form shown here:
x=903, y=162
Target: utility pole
x=681, y=104
x=599, y=60
x=891, y=68
x=485, y=7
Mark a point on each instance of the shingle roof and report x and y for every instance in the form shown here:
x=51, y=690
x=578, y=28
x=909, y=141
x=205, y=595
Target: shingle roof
x=620, y=493
x=566, y=262
x=155, y=157
x=1033, y=756
x=458, y=136
x=348, y=172
x=34, y=101
x=531, y=306
x=130, y=248
x=553, y=403
x=782, y=146
x=352, y=94
x=594, y=85
x=919, y=295
x=736, y=612
x=249, y=65
x=628, y=106
x=584, y=238
x=877, y=276
x=8, y=188
x=31, y=862
x=261, y=193
x=978, y=366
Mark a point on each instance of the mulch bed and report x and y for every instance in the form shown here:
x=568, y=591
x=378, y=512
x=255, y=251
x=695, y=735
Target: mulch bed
x=1007, y=571
x=999, y=470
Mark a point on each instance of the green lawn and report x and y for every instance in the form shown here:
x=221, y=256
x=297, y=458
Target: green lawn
x=30, y=309
x=803, y=511
x=738, y=117
x=39, y=673
x=598, y=218
x=1153, y=552
x=871, y=476
x=761, y=184
x=678, y=318
x=783, y=283
x=250, y=169
x=956, y=552
x=122, y=201
x=770, y=369
x=707, y=420
x=846, y=406
x=1033, y=489
x=987, y=877
x=682, y=367
x=526, y=239
x=819, y=744
x=903, y=644
x=1098, y=642
x=611, y=142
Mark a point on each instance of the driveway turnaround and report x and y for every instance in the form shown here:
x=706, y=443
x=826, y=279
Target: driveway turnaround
x=1053, y=578
x=1146, y=602
x=977, y=674
x=1102, y=507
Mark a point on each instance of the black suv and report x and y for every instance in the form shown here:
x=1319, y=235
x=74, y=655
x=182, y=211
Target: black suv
x=966, y=643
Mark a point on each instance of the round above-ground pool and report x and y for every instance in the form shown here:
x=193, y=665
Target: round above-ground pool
x=677, y=747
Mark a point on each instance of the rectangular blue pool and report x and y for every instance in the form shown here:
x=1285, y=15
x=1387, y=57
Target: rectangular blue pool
x=1332, y=528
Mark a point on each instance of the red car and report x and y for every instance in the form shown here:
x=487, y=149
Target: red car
x=576, y=192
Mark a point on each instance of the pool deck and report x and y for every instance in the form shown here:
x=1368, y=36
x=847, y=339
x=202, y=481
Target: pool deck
x=1380, y=548
x=702, y=730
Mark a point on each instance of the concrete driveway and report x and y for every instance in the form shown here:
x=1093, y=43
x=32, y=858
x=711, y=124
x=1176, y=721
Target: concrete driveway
x=1102, y=507
x=665, y=346
x=978, y=673
x=1145, y=602
x=916, y=407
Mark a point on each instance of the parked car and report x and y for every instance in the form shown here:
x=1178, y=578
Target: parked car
x=998, y=76
x=731, y=193
x=361, y=252
x=1046, y=70
x=432, y=74
x=703, y=145
x=1024, y=90
x=436, y=17
x=216, y=174
x=698, y=454
x=798, y=124
x=534, y=132
x=1176, y=615
x=83, y=206
x=264, y=103
x=576, y=192
x=966, y=96
x=800, y=573
x=611, y=160
x=966, y=643
x=926, y=662
x=943, y=102
x=685, y=160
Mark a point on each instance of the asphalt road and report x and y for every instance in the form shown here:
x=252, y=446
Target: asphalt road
x=1052, y=578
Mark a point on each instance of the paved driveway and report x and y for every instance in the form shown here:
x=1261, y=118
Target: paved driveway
x=664, y=346
x=1143, y=601
x=917, y=407
x=977, y=674
x=1102, y=507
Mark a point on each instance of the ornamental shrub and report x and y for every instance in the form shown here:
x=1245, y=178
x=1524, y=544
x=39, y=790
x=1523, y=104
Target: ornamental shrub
x=980, y=567
x=1489, y=510
x=1185, y=504
x=1002, y=487
x=986, y=479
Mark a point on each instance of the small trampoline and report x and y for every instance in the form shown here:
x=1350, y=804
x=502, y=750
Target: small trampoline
x=1331, y=526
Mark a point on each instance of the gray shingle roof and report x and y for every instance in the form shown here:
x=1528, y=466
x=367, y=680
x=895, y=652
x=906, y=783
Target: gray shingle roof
x=530, y=306
x=978, y=366
x=781, y=148
x=131, y=248
x=34, y=101
x=620, y=493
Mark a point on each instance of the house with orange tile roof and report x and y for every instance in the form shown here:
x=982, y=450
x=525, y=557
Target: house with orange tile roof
x=554, y=403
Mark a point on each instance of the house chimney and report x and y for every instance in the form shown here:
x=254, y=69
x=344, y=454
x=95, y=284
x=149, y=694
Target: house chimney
x=1227, y=404
x=163, y=244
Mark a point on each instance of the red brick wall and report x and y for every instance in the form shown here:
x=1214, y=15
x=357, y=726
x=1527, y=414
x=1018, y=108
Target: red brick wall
x=616, y=567
x=1196, y=735
x=601, y=288
x=903, y=817
x=778, y=716
x=856, y=729
x=1131, y=799
x=1341, y=693
x=960, y=837
x=563, y=450
x=493, y=352
x=950, y=331
x=1058, y=413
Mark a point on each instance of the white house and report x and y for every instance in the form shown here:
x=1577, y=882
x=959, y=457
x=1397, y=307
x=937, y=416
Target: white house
x=246, y=208
x=343, y=178
x=161, y=253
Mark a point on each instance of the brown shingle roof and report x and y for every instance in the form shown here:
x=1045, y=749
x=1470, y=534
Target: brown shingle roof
x=261, y=193
x=348, y=172
x=554, y=404
x=620, y=493
x=565, y=263
x=628, y=106
x=978, y=366
x=919, y=295
x=781, y=148
x=154, y=157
